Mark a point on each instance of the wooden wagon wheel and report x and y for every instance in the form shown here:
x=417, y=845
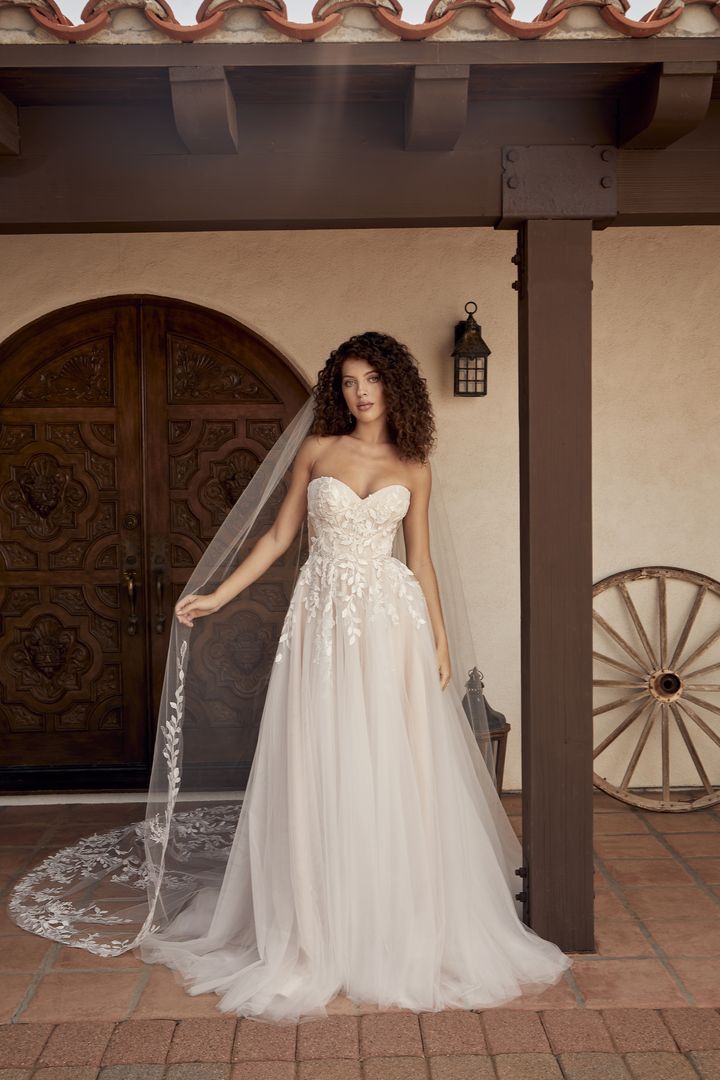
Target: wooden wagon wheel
x=659, y=626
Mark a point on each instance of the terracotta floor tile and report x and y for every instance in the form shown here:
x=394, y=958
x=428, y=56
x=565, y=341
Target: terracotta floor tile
x=12, y=991
x=680, y=937
x=71, y=959
x=76, y=1044
x=671, y=901
x=707, y=869
x=338, y=1069
x=388, y=1034
x=23, y=952
x=590, y=1066
x=263, y=1070
x=694, y=821
x=647, y=872
x=66, y=996
x=342, y=1005
x=576, y=1031
x=256, y=1040
x=461, y=1067
x=165, y=998
x=21, y=1044
x=707, y=1063
x=139, y=1042
x=697, y=846
x=527, y=1067
x=694, y=1029
x=608, y=906
x=395, y=1068
x=702, y=978
x=630, y=847
x=620, y=938
x=660, y=1066
x=514, y=1032
x=606, y=804
x=194, y=1071
x=132, y=1072
x=201, y=1039
x=613, y=824
x=638, y=1030
x=559, y=996
x=452, y=1031
x=628, y=983
x=331, y=1037
x=67, y=1072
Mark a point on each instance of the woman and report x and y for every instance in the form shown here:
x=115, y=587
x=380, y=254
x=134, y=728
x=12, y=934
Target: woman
x=371, y=855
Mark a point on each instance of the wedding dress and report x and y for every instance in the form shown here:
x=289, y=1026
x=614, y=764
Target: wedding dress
x=369, y=853
x=366, y=859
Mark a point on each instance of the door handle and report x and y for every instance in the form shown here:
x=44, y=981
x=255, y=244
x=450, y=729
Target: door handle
x=160, y=616
x=129, y=576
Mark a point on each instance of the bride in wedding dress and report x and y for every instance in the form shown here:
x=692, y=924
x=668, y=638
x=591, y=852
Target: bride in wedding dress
x=370, y=855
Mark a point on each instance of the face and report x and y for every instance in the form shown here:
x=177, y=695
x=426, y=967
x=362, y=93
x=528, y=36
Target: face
x=363, y=390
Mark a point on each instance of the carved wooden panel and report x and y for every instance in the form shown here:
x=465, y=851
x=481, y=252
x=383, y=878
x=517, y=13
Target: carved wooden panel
x=77, y=470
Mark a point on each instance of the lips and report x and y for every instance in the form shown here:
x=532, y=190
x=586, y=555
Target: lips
x=366, y=405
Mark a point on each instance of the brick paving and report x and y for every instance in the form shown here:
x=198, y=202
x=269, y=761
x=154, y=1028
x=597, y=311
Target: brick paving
x=644, y=1006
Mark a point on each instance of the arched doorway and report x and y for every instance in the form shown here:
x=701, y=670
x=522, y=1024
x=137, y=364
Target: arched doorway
x=131, y=425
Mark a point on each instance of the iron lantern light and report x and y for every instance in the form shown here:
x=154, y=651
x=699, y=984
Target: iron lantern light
x=470, y=356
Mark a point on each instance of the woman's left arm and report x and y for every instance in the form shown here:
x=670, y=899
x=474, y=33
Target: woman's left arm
x=416, y=533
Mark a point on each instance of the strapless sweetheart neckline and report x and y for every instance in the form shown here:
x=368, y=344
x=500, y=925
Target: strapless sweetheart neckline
x=361, y=498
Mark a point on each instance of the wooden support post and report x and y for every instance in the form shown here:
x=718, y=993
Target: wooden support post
x=554, y=259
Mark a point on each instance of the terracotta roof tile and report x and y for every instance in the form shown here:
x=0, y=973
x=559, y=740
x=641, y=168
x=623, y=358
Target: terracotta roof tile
x=356, y=20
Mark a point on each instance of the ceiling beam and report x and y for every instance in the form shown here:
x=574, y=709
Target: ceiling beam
x=668, y=102
x=204, y=110
x=9, y=127
x=436, y=106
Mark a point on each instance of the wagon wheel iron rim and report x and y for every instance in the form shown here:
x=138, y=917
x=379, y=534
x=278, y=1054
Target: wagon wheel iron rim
x=665, y=686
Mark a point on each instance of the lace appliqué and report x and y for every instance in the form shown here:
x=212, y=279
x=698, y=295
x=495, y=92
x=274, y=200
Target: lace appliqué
x=350, y=575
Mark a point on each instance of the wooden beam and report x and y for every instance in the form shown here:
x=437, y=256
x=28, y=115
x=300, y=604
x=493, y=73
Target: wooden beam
x=667, y=102
x=556, y=576
x=436, y=106
x=9, y=127
x=204, y=110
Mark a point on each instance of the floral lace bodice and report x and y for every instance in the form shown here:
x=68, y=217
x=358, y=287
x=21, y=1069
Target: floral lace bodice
x=350, y=571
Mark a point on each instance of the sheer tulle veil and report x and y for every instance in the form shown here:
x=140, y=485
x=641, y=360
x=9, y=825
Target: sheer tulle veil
x=108, y=891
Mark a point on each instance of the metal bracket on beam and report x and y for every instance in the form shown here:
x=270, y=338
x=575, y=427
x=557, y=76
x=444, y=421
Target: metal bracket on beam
x=558, y=182
x=9, y=127
x=436, y=106
x=671, y=100
x=205, y=110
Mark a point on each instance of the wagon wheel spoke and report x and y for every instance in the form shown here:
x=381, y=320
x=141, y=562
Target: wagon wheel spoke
x=665, y=753
x=637, y=623
x=700, y=649
x=639, y=747
x=705, y=704
x=685, y=632
x=616, y=663
x=708, y=688
x=691, y=749
x=611, y=705
x=662, y=617
x=618, y=682
x=620, y=640
x=699, y=721
x=702, y=670
x=623, y=726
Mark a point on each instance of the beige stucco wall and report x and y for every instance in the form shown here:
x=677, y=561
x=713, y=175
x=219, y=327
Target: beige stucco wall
x=656, y=372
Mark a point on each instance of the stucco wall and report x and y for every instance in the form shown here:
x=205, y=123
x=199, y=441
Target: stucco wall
x=656, y=372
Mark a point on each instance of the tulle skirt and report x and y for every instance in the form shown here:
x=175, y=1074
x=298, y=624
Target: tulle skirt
x=372, y=856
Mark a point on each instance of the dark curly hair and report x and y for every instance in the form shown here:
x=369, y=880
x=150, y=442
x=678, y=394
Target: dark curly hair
x=410, y=417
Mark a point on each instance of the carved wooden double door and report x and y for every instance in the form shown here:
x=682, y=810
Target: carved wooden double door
x=130, y=427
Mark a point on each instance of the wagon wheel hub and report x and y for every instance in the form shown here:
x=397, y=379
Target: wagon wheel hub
x=665, y=685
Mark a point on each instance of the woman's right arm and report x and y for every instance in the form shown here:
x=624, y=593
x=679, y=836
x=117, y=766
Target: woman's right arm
x=268, y=548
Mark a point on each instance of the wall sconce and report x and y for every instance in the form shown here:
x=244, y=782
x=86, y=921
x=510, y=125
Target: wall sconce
x=470, y=356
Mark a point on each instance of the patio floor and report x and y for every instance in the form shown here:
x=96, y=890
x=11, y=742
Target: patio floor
x=645, y=1005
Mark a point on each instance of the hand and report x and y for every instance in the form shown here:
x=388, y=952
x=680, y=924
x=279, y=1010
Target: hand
x=193, y=605
x=443, y=663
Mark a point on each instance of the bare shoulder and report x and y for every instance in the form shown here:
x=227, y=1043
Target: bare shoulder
x=312, y=447
x=419, y=475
